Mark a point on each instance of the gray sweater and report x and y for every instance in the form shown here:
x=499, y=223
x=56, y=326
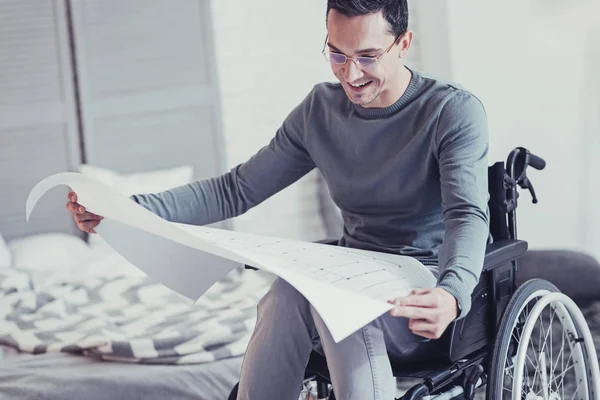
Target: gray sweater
x=409, y=179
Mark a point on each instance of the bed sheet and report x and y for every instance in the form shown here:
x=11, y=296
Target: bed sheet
x=64, y=376
x=59, y=376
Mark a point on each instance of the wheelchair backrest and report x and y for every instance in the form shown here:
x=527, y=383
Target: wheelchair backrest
x=497, y=201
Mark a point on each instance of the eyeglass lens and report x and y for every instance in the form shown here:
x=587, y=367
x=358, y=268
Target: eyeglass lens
x=338, y=58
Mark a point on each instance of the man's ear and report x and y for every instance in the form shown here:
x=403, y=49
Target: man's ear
x=405, y=43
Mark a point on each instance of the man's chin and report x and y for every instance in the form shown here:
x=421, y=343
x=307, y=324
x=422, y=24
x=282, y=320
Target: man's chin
x=361, y=100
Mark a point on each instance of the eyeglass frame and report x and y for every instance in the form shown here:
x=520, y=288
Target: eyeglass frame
x=377, y=59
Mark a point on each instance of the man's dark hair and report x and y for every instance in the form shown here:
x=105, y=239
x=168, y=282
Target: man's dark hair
x=394, y=11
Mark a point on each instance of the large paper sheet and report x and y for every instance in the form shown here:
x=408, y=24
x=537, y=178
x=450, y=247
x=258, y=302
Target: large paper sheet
x=348, y=287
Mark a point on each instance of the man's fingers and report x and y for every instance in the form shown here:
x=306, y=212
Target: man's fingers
x=421, y=325
x=72, y=196
x=82, y=215
x=401, y=311
x=88, y=216
x=75, y=208
x=86, y=221
x=412, y=312
x=434, y=333
x=88, y=226
x=419, y=300
x=426, y=334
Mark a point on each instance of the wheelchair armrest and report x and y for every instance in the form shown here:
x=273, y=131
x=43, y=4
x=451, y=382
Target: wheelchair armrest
x=503, y=251
x=493, y=291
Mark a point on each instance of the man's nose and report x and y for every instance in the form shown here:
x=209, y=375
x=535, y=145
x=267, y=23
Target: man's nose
x=351, y=71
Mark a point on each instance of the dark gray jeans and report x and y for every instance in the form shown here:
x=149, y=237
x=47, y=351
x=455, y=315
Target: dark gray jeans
x=288, y=329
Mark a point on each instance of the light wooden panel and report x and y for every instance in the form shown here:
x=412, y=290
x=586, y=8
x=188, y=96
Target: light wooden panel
x=149, y=91
x=38, y=130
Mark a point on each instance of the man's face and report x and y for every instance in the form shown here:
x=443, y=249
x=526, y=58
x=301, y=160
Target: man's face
x=366, y=35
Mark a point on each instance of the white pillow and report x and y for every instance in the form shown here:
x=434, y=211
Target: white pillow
x=137, y=183
x=5, y=256
x=141, y=182
x=49, y=252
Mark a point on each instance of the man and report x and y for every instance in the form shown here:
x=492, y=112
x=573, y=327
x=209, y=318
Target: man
x=405, y=159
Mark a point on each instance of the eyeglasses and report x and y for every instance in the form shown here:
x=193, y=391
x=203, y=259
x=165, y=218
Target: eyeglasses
x=366, y=63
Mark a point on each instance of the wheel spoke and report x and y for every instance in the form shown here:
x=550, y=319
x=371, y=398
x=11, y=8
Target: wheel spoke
x=509, y=364
x=535, y=365
x=559, y=357
x=563, y=372
x=575, y=393
x=543, y=373
x=552, y=313
x=562, y=363
x=545, y=335
x=562, y=375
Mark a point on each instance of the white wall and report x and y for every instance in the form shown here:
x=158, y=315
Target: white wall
x=591, y=209
x=268, y=59
x=528, y=68
x=524, y=59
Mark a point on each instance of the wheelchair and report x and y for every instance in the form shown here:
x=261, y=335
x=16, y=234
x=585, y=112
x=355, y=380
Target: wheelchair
x=529, y=342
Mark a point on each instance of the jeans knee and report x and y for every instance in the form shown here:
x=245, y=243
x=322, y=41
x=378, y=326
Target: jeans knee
x=283, y=297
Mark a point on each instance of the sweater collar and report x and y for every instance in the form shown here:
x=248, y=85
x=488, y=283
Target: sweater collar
x=412, y=88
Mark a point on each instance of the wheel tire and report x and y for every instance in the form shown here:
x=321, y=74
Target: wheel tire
x=502, y=342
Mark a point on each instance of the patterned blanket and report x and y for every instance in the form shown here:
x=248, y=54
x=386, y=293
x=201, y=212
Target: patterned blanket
x=125, y=318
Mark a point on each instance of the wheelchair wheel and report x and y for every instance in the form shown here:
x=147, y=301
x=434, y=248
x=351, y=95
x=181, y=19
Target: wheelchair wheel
x=543, y=348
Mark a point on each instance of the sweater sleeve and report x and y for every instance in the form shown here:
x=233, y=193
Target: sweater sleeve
x=463, y=164
x=277, y=165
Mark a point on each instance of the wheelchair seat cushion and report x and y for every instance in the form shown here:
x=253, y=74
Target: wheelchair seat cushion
x=574, y=273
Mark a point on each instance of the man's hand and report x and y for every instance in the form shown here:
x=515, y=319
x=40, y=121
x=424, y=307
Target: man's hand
x=429, y=311
x=86, y=221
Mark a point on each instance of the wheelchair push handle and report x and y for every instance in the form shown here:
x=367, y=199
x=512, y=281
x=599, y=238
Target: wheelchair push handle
x=518, y=161
x=516, y=175
x=536, y=162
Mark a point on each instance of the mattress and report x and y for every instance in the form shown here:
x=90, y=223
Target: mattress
x=64, y=376
x=51, y=373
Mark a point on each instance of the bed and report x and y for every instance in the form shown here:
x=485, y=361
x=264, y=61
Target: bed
x=62, y=376
x=80, y=321
x=140, y=127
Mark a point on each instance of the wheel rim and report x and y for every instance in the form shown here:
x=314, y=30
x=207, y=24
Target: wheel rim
x=516, y=330
x=553, y=365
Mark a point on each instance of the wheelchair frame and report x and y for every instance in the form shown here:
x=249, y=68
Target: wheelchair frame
x=470, y=337
x=464, y=366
